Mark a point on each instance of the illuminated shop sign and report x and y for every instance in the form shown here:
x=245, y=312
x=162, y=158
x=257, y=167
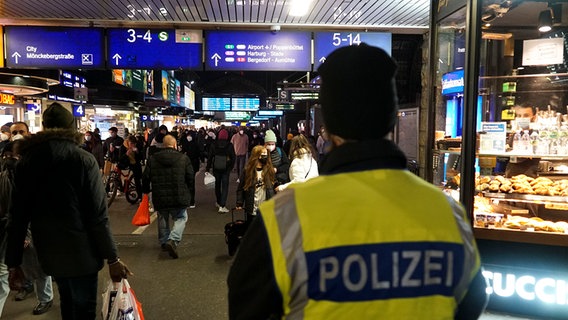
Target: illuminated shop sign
x=452, y=82
x=6, y=98
x=146, y=117
x=527, y=291
x=270, y=113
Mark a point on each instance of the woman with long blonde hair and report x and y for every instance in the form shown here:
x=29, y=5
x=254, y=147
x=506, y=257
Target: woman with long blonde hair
x=256, y=183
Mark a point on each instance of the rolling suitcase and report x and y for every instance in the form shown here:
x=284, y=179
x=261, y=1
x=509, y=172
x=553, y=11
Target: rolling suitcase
x=234, y=232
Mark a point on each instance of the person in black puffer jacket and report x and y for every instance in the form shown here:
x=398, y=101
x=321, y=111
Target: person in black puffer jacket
x=68, y=218
x=171, y=175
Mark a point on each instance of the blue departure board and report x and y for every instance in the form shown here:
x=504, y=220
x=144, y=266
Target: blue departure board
x=165, y=49
x=216, y=104
x=326, y=42
x=54, y=47
x=258, y=50
x=245, y=104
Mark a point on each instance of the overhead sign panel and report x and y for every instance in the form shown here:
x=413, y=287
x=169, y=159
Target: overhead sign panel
x=257, y=50
x=165, y=49
x=326, y=42
x=54, y=47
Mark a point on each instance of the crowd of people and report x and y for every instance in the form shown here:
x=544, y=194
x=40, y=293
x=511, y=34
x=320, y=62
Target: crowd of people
x=263, y=164
x=303, y=237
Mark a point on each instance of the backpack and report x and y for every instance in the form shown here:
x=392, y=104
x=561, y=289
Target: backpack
x=220, y=159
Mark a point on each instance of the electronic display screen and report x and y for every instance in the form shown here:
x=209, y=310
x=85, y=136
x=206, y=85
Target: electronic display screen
x=54, y=47
x=258, y=50
x=216, y=103
x=326, y=42
x=164, y=49
x=245, y=104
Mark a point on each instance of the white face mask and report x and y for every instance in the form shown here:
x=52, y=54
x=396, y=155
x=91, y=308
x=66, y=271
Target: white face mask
x=4, y=137
x=189, y=138
x=254, y=136
x=271, y=148
x=241, y=132
x=88, y=138
x=17, y=137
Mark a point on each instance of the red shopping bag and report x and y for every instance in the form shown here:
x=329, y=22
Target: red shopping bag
x=142, y=216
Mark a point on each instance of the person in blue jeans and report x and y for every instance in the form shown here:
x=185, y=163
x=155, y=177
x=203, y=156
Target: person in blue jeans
x=222, y=159
x=170, y=175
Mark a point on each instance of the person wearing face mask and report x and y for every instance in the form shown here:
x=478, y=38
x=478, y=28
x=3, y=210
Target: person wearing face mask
x=255, y=140
x=256, y=182
x=221, y=160
x=19, y=130
x=279, y=159
x=93, y=144
x=240, y=142
x=4, y=136
x=190, y=147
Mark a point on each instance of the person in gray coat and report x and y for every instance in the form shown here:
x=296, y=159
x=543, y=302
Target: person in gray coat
x=170, y=175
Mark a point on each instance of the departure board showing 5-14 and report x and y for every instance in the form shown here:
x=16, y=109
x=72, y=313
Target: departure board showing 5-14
x=326, y=42
x=165, y=49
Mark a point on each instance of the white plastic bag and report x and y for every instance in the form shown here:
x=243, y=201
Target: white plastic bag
x=124, y=305
x=209, y=181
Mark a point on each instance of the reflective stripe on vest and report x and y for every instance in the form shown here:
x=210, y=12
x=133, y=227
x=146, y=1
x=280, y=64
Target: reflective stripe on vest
x=344, y=269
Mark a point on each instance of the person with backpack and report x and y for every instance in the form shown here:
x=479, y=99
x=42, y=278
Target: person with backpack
x=279, y=159
x=221, y=159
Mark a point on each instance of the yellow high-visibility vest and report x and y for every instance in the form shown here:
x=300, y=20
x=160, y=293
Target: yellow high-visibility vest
x=378, y=244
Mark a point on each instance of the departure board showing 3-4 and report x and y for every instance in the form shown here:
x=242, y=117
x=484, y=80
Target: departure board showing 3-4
x=54, y=47
x=165, y=49
x=326, y=42
x=258, y=50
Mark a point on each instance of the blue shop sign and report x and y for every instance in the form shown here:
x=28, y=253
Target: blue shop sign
x=165, y=49
x=258, y=50
x=54, y=47
x=452, y=82
x=326, y=42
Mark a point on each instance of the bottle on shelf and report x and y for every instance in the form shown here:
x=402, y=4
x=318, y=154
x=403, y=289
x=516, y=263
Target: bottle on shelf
x=526, y=142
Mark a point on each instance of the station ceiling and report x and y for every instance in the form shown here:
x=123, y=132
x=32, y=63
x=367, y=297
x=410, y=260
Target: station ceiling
x=401, y=16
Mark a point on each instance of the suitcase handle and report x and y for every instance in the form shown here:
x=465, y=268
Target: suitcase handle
x=238, y=209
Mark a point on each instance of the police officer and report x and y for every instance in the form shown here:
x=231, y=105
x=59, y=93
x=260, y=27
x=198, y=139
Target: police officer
x=349, y=244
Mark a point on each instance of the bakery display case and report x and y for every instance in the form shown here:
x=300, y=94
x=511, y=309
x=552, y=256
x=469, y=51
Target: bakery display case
x=497, y=141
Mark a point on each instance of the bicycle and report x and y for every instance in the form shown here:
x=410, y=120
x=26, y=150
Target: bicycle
x=114, y=183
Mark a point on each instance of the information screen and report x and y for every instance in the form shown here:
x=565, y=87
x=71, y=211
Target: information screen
x=216, y=103
x=154, y=49
x=245, y=104
x=326, y=42
x=54, y=47
x=258, y=50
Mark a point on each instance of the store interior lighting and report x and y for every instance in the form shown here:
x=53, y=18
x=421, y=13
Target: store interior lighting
x=545, y=21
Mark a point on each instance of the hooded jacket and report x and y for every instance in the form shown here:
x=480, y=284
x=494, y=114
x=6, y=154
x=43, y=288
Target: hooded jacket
x=171, y=177
x=66, y=207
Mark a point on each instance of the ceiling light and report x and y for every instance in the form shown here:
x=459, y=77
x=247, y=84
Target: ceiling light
x=299, y=8
x=545, y=21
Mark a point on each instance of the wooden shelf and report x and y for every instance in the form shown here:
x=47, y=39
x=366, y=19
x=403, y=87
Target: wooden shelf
x=545, y=238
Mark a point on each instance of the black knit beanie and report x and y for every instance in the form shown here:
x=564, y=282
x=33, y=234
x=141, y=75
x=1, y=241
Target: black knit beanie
x=56, y=116
x=358, y=92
